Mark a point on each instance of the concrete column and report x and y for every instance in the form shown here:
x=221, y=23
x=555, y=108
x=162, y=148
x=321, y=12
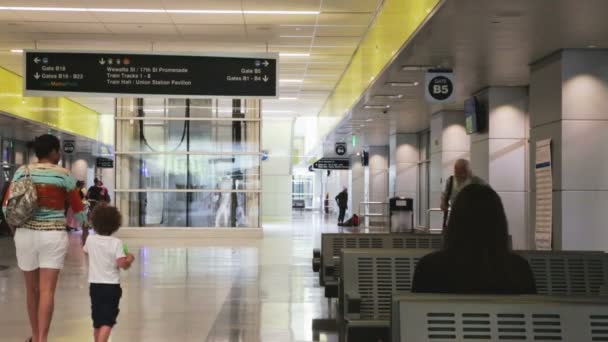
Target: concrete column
x=499, y=154
x=356, y=182
x=403, y=165
x=449, y=142
x=569, y=104
x=378, y=173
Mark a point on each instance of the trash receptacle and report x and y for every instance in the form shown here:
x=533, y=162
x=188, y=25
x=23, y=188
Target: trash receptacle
x=401, y=211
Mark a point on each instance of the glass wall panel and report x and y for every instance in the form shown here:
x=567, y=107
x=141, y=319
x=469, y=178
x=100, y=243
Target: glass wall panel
x=195, y=171
x=190, y=209
x=188, y=163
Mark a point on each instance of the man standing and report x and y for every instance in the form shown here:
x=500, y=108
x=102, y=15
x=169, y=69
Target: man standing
x=342, y=200
x=463, y=176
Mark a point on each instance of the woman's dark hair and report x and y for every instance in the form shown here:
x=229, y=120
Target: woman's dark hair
x=44, y=145
x=106, y=219
x=79, y=184
x=478, y=225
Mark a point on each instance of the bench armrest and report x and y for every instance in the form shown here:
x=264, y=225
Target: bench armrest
x=352, y=306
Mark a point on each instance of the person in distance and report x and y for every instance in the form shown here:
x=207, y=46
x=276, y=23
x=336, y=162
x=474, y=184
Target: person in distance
x=475, y=258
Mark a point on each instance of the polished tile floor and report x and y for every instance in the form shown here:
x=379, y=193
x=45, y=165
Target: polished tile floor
x=219, y=290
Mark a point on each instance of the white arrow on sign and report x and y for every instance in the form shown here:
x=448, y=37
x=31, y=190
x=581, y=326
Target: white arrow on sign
x=102, y=61
x=37, y=76
x=36, y=60
x=266, y=64
x=265, y=78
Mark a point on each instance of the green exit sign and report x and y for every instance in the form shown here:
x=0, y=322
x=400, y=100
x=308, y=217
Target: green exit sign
x=354, y=140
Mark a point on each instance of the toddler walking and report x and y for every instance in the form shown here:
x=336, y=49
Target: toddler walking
x=107, y=255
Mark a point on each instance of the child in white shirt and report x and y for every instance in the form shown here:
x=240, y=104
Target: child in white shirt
x=107, y=256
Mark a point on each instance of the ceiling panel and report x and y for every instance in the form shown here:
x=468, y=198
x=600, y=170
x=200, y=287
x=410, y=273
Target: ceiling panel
x=296, y=30
x=224, y=31
x=58, y=27
x=228, y=19
x=274, y=5
x=344, y=19
x=158, y=29
x=350, y=6
x=18, y=27
x=147, y=4
x=266, y=19
x=350, y=41
x=81, y=17
x=10, y=16
x=333, y=51
x=143, y=18
x=341, y=30
x=202, y=5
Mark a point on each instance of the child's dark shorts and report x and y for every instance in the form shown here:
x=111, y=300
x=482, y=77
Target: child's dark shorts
x=105, y=299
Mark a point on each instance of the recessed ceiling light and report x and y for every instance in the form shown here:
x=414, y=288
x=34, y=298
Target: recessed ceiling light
x=288, y=54
x=151, y=10
x=290, y=81
x=376, y=106
x=416, y=67
x=17, y=50
x=402, y=84
x=389, y=97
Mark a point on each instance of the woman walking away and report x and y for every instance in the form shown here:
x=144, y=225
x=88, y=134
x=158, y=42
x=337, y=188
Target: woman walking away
x=42, y=241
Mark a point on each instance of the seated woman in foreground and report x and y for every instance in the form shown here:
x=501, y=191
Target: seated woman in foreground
x=476, y=257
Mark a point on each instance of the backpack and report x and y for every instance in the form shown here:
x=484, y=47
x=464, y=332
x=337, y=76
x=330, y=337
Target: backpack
x=355, y=220
x=22, y=200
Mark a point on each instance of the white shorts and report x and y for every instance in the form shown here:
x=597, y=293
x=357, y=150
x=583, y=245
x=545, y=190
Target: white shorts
x=40, y=249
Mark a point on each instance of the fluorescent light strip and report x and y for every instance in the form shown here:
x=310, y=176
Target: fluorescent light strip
x=288, y=98
x=402, y=84
x=17, y=50
x=296, y=36
x=151, y=10
x=291, y=81
x=376, y=106
x=416, y=67
x=390, y=97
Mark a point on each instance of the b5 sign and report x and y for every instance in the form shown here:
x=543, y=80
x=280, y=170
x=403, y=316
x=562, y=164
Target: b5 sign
x=439, y=87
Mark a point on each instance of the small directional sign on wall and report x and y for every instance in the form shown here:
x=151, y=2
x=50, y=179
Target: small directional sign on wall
x=100, y=74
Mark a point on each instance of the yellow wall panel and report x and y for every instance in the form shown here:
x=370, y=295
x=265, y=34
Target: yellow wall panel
x=394, y=25
x=57, y=112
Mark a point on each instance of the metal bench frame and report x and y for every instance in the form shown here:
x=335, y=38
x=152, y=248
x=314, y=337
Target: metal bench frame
x=427, y=317
x=326, y=261
x=379, y=273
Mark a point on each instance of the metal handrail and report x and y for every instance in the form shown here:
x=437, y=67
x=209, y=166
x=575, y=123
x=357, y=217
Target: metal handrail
x=366, y=214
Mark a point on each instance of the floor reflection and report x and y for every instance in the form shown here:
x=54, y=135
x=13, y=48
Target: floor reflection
x=214, y=290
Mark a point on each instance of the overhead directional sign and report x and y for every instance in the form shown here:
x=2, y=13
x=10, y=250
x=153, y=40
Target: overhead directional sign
x=100, y=74
x=104, y=163
x=332, y=164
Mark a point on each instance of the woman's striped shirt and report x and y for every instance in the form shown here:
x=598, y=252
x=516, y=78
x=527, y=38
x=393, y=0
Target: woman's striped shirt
x=56, y=188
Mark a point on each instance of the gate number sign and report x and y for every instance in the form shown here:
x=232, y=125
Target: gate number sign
x=440, y=87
